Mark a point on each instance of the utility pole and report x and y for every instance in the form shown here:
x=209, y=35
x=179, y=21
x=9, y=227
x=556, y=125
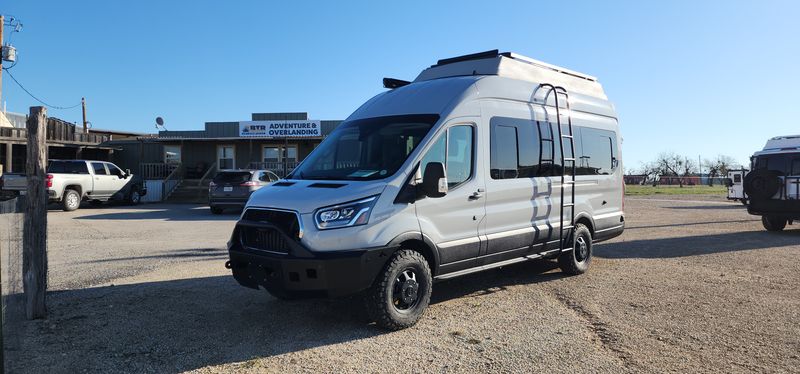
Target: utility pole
x=2, y=26
x=83, y=109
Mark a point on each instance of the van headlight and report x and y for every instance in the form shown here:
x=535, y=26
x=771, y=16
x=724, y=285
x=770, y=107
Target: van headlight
x=345, y=215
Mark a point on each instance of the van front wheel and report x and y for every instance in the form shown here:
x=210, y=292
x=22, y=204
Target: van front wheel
x=576, y=261
x=401, y=293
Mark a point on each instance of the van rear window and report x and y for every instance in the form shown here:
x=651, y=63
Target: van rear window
x=523, y=148
x=232, y=177
x=67, y=167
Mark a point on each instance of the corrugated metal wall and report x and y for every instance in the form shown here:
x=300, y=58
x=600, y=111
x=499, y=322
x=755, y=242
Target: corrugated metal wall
x=135, y=152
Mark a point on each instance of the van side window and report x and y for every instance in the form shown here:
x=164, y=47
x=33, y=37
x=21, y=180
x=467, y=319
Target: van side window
x=550, y=153
x=455, y=150
x=599, y=149
x=503, y=158
x=99, y=168
x=459, y=155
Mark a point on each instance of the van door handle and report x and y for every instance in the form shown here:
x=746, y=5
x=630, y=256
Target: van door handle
x=477, y=194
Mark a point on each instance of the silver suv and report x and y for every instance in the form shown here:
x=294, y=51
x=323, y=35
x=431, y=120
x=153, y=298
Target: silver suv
x=478, y=163
x=232, y=188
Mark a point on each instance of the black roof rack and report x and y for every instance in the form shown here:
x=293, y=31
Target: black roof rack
x=394, y=83
x=473, y=56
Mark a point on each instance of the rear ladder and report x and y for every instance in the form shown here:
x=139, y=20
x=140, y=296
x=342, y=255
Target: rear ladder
x=568, y=167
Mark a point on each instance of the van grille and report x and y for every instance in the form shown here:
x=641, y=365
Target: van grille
x=265, y=239
x=268, y=238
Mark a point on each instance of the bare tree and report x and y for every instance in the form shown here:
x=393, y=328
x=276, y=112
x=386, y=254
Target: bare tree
x=718, y=167
x=673, y=164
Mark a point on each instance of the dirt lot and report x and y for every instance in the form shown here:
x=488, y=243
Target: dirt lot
x=694, y=284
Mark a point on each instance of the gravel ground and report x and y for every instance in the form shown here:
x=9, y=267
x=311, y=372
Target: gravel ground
x=693, y=285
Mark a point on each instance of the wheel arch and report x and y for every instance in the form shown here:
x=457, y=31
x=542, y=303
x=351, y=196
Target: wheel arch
x=419, y=242
x=586, y=219
x=77, y=187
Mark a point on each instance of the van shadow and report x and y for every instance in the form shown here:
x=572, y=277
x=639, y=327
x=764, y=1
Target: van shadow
x=709, y=207
x=697, y=245
x=179, y=325
x=165, y=212
x=496, y=280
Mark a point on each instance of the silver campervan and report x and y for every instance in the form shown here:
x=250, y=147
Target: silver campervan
x=482, y=161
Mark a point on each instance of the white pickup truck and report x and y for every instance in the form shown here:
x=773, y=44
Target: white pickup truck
x=69, y=182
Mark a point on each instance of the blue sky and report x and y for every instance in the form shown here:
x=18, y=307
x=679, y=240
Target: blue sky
x=694, y=77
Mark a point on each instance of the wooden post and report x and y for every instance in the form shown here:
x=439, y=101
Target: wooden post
x=34, y=238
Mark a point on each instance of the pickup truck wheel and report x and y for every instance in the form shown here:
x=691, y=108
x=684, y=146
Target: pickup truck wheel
x=134, y=198
x=773, y=223
x=71, y=200
x=577, y=260
x=401, y=293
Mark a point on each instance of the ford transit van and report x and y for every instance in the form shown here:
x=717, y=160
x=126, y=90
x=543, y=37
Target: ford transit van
x=482, y=161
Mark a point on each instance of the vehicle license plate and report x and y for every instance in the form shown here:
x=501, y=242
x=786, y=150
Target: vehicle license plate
x=227, y=189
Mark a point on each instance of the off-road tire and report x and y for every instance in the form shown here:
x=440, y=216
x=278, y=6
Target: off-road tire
x=71, y=200
x=379, y=298
x=575, y=261
x=215, y=210
x=773, y=223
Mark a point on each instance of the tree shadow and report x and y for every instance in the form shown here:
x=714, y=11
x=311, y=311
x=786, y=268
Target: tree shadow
x=179, y=325
x=697, y=245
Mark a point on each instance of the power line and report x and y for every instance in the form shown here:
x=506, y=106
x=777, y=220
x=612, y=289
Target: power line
x=36, y=98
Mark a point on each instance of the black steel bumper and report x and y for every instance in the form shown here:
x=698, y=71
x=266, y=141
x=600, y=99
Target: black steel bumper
x=786, y=208
x=302, y=272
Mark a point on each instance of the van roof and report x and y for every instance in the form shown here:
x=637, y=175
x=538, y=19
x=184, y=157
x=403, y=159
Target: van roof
x=781, y=144
x=514, y=66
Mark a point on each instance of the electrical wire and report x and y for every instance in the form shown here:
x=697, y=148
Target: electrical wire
x=36, y=98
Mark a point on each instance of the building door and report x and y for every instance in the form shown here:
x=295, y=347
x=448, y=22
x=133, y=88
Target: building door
x=225, y=157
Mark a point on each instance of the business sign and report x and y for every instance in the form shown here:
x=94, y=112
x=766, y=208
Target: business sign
x=280, y=129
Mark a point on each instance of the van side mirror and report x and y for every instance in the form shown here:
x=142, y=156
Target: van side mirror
x=434, y=180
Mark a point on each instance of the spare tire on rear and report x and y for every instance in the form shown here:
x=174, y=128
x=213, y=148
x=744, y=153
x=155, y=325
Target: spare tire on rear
x=762, y=184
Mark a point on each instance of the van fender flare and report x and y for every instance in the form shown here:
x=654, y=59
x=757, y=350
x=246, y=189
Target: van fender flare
x=586, y=216
x=432, y=249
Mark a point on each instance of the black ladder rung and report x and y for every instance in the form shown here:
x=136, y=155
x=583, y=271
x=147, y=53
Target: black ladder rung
x=569, y=159
x=569, y=205
x=568, y=227
x=567, y=136
x=569, y=182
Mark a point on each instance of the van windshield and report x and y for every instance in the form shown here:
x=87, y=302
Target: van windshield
x=366, y=149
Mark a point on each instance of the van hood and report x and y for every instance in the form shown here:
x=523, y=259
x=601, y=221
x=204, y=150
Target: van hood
x=306, y=196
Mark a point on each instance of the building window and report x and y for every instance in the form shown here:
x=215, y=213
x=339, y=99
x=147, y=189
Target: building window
x=225, y=157
x=277, y=154
x=272, y=154
x=291, y=154
x=172, y=154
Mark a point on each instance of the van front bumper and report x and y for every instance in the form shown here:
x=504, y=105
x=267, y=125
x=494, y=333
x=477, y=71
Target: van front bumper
x=302, y=272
